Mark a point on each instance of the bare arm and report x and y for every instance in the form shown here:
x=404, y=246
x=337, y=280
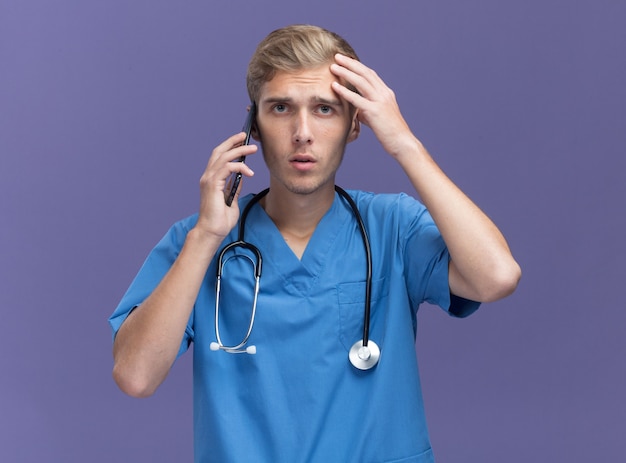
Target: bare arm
x=482, y=267
x=148, y=341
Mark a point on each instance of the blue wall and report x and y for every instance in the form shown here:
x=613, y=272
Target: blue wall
x=109, y=111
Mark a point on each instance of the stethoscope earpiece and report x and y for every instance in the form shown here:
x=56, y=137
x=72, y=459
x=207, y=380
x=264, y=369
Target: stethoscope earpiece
x=248, y=350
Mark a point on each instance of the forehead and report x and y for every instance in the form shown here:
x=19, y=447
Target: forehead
x=307, y=82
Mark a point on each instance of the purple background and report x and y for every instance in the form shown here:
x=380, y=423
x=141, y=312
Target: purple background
x=109, y=111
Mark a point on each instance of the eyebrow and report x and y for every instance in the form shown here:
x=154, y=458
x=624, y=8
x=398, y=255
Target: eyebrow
x=330, y=102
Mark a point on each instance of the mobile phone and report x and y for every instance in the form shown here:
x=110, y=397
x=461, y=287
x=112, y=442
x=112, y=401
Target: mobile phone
x=235, y=179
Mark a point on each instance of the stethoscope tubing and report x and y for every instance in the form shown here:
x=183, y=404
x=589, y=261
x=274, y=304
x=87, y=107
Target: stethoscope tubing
x=238, y=349
x=360, y=356
x=368, y=257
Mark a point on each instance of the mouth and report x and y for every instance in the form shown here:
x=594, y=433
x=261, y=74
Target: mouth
x=302, y=161
x=302, y=158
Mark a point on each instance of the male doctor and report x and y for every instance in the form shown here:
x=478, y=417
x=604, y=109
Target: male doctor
x=299, y=399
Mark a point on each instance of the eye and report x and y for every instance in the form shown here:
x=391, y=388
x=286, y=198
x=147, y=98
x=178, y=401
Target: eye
x=279, y=108
x=325, y=109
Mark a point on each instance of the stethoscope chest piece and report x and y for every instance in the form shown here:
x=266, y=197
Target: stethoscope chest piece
x=364, y=357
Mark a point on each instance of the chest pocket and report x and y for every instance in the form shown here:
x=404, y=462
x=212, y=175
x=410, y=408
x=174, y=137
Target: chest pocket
x=351, y=302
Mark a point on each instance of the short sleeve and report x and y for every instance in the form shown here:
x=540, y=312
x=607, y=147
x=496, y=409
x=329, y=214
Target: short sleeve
x=150, y=275
x=427, y=263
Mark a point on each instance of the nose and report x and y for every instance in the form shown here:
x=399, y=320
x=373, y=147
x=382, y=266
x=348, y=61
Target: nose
x=302, y=133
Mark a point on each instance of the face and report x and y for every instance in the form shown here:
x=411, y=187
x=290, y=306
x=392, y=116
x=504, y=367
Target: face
x=303, y=127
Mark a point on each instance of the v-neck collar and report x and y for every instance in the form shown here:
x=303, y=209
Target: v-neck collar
x=302, y=273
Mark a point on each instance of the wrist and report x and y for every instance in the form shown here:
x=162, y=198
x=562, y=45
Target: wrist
x=409, y=149
x=203, y=241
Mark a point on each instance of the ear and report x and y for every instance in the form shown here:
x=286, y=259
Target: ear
x=254, y=133
x=355, y=128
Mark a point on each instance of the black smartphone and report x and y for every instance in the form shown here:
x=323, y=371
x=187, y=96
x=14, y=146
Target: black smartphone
x=235, y=179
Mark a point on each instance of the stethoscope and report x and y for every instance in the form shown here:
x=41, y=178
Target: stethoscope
x=364, y=354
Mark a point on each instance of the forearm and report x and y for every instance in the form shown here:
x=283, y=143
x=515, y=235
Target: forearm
x=482, y=267
x=148, y=341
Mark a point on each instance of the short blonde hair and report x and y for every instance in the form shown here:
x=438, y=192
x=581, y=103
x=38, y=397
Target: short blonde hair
x=290, y=49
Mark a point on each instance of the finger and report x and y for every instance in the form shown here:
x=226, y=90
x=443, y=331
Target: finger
x=234, y=154
x=230, y=150
x=231, y=142
x=222, y=177
x=350, y=96
x=242, y=168
x=223, y=161
x=350, y=63
x=345, y=75
x=356, y=72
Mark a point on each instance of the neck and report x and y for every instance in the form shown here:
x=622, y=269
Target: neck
x=297, y=211
x=296, y=215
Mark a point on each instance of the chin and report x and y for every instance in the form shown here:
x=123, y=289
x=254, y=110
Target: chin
x=307, y=188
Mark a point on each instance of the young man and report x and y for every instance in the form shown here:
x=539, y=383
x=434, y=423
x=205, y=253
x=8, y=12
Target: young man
x=299, y=399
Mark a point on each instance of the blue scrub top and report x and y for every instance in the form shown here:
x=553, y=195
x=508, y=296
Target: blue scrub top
x=299, y=399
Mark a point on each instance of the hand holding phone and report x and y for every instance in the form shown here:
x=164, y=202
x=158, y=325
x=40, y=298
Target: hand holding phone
x=235, y=179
